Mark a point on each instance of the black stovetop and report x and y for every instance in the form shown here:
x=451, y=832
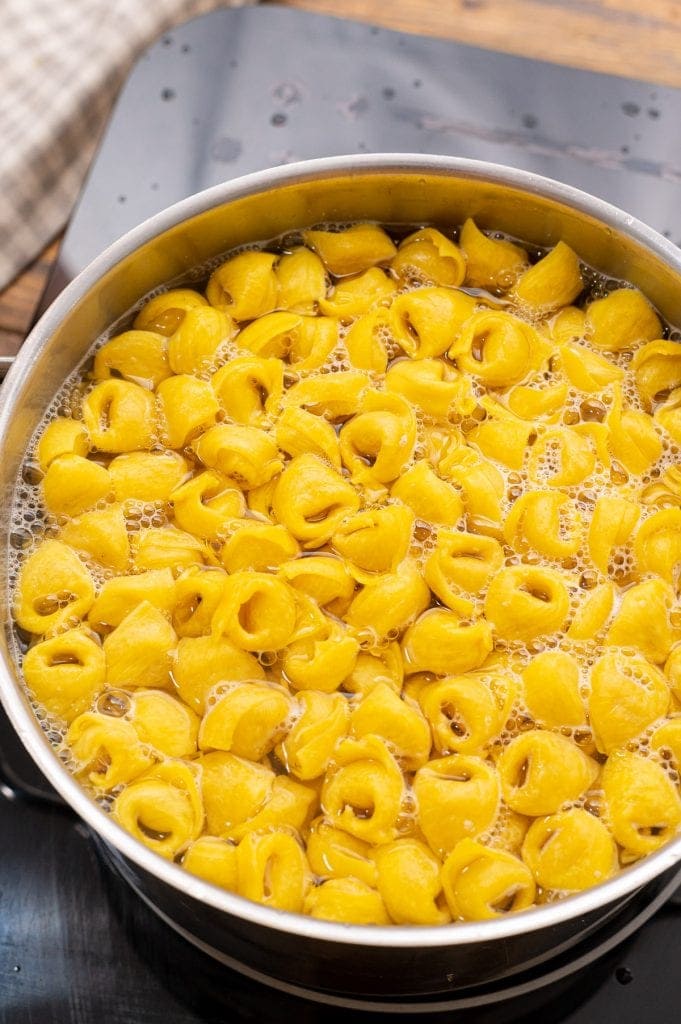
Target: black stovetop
x=228, y=93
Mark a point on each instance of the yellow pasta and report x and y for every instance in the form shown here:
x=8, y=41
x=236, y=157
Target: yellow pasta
x=353, y=250
x=554, y=851
x=457, y=797
x=187, y=406
x=65, y=672
x=138, y=650
x=73, y=484
x=430, y=256
x=492, y=263
x=364, y=792
x=409, y=883
x=310, y=745
x=201, y=662
x=353, y=582
x=138, y=356
x=347, y=900
x=54, y=588
x=165, y=312
x=540, y=771
x=101, y=536
x=642, y=804
x=120, y=416
x=481, y=883
x=245, y=286
x=62, y=436
x=273, y=869
x=214, y=860
x=248, y=720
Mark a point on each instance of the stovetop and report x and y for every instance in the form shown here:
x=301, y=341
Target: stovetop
x=228, y=93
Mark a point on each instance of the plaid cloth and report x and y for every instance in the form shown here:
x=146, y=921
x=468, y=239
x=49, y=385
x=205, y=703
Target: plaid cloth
x=61, y=64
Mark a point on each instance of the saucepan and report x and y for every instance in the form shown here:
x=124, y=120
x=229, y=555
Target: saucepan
x=358, y=965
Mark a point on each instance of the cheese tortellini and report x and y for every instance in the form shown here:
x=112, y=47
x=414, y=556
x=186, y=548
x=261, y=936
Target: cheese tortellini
x=354, y=585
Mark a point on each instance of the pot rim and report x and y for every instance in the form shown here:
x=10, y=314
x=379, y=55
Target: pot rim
x=27, y=727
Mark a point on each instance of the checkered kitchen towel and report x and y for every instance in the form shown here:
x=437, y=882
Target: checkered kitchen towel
x=61, y=64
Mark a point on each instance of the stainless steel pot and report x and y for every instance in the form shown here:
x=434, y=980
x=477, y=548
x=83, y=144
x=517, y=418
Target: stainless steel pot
x=329, y=960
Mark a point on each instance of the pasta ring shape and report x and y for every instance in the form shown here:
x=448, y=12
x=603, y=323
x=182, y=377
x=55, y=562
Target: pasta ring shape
x=491, y=263
x=409, y=883
x=200, y=663
x=214, y=860
x=157, y=814
x=333, y=853
x=257, y=612
x=555, y=281
x=401, y=724
x=248, y=720
x=620, y=320
x=233, y=790
x=430, y=256
x=272, y=869
x=289, y=806
x=642, y=805
x=425, y=322
x=311, y=499
x=363, y=793
x=389, y=603
x=246, y=455
x=245, y=286
x=480, y=882
x=187, y=406
x=72, y=484
x=309, y=745
x=496, y=347
x=299, y=432
x=351, y=251
x=65, y=673
x=627, y=695
x=61, y=436
x=164, y=313
x=109, y=750
x=658, y=544
x=164, y=723
x=547, y=522
x=375, y=540
x=457, y=797
x=463, y=715
x=139, y=356
x=249, y=389
x=429, y=497
x=207, y=504
x=551, y=690
x=384, y=432
x=461, y=562
x=302, y=280
x=348, y=900
x=441, y=642
x=526, y=601
x=432, y=385
x=53, y=588
x=643, y=620
x=540, y=771
x=554, y=849
x=120, y=416
x=321, y=664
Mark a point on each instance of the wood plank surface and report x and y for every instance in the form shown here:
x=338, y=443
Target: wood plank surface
x=633, y=38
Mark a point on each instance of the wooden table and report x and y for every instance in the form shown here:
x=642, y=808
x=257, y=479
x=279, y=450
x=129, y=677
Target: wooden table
x=634, y=38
